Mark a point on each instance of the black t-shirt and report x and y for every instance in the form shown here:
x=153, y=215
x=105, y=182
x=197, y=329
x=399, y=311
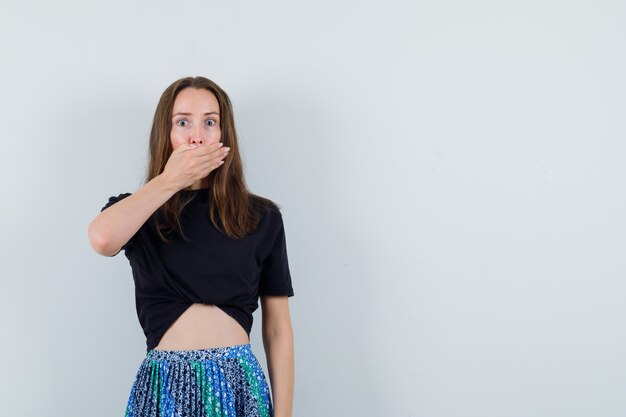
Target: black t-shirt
x=209, y=268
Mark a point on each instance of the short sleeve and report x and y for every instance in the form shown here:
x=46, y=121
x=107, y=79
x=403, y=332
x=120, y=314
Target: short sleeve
x=113, y=200
x=275, y=274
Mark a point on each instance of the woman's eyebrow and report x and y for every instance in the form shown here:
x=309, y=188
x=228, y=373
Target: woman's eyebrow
x=189, y=114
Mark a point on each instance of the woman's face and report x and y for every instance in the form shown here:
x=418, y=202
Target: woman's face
x=195, y=118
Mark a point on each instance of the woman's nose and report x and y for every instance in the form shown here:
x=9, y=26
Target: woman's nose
x=196, y=135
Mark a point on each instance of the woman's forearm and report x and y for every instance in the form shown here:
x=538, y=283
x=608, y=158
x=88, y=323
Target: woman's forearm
x=279, y=351
x=113, y=227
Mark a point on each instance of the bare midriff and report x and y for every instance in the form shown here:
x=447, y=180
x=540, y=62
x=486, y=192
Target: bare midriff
x=203, y=326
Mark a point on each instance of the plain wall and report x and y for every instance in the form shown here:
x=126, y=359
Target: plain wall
x=451, y=176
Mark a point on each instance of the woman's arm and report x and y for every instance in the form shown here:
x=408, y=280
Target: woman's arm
x=279, y=351
x=114, y=226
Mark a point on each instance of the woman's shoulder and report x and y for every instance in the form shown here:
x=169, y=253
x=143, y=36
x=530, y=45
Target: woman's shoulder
x=270, y=217
x=264, y=205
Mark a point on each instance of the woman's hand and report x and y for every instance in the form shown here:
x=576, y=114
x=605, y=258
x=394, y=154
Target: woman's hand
x=191, y=162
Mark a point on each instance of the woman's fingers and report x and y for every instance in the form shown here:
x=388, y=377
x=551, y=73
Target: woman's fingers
x=211, y=151
x=210, y=157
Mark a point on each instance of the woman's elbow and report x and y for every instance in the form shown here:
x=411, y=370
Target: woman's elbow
x=99, y=243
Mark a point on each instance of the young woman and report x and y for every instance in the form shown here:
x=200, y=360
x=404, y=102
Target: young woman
x=202, y=250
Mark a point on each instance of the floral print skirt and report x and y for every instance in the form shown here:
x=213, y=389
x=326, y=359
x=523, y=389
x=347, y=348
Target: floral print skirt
x=220, y=381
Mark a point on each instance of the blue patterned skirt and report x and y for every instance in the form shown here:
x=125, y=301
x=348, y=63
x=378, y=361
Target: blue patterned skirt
x=221, y=381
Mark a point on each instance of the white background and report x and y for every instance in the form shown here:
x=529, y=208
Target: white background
x=451, y=176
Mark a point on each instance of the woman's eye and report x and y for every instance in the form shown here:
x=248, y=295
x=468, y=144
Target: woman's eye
x=210, y=121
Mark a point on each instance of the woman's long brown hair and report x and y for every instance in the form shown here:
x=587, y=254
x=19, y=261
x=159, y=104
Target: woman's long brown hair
x=232, y=208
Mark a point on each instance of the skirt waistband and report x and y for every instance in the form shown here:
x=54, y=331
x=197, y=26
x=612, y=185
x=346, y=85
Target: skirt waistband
x=214, y=353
